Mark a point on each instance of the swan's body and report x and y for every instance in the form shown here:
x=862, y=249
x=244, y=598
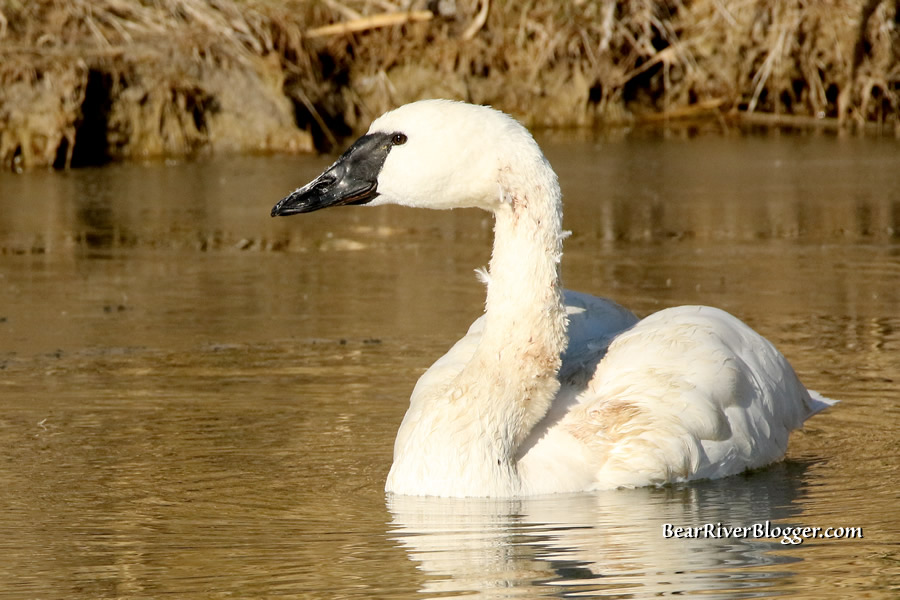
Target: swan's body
x=552, y=391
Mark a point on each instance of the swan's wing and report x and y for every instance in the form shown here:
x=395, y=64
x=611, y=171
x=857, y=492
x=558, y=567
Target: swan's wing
x=687, y=393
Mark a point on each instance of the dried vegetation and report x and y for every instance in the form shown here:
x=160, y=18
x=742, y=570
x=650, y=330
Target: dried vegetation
x=84, y=81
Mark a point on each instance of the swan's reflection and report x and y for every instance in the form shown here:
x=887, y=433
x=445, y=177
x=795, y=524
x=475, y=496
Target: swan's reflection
x=602, y=543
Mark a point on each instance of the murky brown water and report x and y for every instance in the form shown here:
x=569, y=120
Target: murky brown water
x=199, y=401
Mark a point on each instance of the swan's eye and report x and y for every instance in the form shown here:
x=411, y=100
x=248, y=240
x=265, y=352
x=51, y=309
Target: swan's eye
x=399, y=139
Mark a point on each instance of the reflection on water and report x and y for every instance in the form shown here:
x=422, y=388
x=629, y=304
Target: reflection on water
x=200, y=401
x=608, y=543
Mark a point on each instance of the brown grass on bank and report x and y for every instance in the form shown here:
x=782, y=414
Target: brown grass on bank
x=584, y=63
x=90, y=80
x=87, y=80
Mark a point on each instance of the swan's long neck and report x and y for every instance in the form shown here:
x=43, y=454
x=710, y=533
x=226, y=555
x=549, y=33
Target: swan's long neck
x=461, y=437
x=511, y=380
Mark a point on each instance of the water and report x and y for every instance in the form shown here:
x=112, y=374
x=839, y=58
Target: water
x=199, y=401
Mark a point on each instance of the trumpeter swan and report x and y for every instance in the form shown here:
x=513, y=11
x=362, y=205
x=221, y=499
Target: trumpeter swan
x=554, y=391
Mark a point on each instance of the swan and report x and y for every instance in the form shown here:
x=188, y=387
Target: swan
x=553, y=391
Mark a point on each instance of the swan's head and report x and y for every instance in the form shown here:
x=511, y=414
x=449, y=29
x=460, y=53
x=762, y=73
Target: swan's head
x=430, y=154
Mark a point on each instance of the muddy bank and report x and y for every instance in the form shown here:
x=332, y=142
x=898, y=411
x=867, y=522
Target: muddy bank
x=89, y=81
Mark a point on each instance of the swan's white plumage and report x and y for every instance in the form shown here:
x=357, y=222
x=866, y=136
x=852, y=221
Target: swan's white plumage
x=551, y=392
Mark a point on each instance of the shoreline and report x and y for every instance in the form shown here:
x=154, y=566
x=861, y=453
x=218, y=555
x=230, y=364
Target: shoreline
x=89, y=82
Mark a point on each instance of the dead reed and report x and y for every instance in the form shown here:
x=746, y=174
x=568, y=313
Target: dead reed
x=85, y=81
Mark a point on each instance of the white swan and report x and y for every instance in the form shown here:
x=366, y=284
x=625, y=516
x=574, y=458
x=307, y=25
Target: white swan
x=552, y=391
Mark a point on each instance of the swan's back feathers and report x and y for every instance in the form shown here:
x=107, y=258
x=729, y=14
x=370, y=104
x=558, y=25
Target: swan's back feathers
x=689, y=393
x=593, y=323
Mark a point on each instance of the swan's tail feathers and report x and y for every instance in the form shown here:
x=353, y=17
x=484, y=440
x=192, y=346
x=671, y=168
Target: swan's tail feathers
x=818, y=402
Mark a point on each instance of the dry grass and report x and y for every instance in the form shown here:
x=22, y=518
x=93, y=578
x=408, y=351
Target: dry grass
x=584, y=63
x=123, y=78
x=88, y=80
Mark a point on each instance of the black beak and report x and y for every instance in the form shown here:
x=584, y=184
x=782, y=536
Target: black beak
x=352, y=179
